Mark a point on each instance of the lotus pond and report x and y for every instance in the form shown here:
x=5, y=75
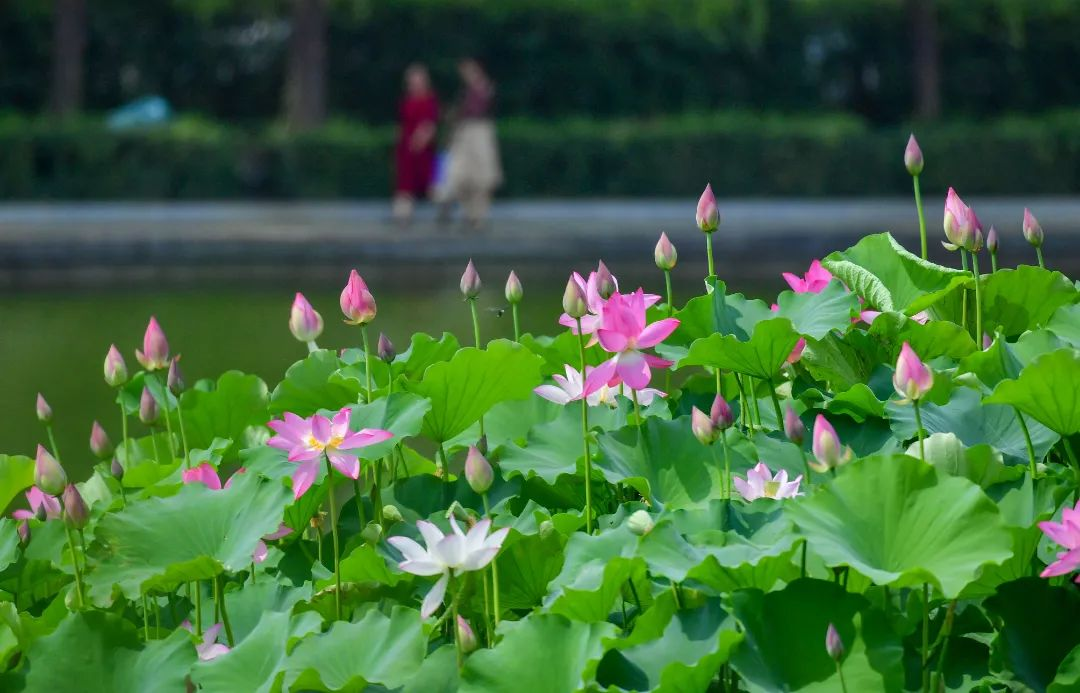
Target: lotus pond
x=869, y=485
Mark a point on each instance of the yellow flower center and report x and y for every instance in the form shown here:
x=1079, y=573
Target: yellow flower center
x=772, y=488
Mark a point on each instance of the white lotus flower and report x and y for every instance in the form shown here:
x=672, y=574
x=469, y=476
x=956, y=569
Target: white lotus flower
x=447, y=555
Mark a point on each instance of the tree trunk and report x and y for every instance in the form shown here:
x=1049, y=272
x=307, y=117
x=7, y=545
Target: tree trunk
x=69, y=41
x=925, y=57
x=305, y=78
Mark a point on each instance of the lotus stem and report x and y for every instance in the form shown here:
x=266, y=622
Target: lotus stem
x=978, y=300
x=219, y=597
x=919, y=430
x=670, y=293
x=517, y=323
x=153, y=441
x=359, y=496
x=1027, y=442
x=183, y=434
x=52, y=442
x=754, y=403
x=925, y=637
x=776, y=406
x=963, y=292
x=80, y=602
x=312, y=347
x=1039, y=254
x=124, y=433
x=334, y=532
x=454, y=627
x=839, y=668
x=476, y=340
x=802, y=561
x=145, y=619
x=585, y=435
x=494, y=571
x=993, y=263
x=637, y=411
x=367, y=361
x=708, y=251
x=197, y=592
x=922, y=217
x=946, y=630
x=376, y=492
x=727, y=466
x=806, y=465
x=744, y=408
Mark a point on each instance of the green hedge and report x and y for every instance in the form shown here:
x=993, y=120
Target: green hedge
x=741, y=153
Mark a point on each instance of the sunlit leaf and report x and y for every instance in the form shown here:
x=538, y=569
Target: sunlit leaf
x=1048, y=389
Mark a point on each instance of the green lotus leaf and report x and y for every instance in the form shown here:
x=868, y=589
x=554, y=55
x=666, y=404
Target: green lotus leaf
x=306, y=387
x=571, y=651
x=892, y=279
x=843, y=362
x=16, y=475
x=526, y=568
x=246, y=603
x=551, y=449
x=401, y=413
x=1048, y=389
x=462, y=389
x=424, y=350
x=895, y=520
x=930, y=340
x=714, y=313
x=1065, y=323
x=194, y=535
x=438, y=673
x=9, y=542
x=859, y=402
x=593, y=574
x=96, y=651
x=817, y=314
x=1024, y=298
x=761, y=357
x=375, y=650
x=1040, y=627
x=236, y=402
x=560, y=350
x=1068, y=673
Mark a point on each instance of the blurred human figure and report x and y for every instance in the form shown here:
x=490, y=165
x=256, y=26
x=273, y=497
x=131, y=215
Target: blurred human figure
x=474, y=170
x=415, y=152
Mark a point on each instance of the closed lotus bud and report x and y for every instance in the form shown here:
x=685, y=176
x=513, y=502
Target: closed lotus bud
x=116, y=469
x=465, y=635
x=992, y=241
x=708, y=216
x=665, y=254
x=1033, y=232
x=116, y=373
x=99, y=442
x=391, y=514
x=959, y=222
x=41, y=513
x=470, y=282
x=478, y=471
x=703, y=428
x=371, y=533
x=514, y=291
x=175, y=379
x=148, y=408
x=833, y=645
x=605, y=281
x=546, y=529
x=155, y=352
x=913, y=378
x=44, y=411
x=305, y=323
x=640, y=523
x=721, y=414
x=913, y=159
x=573, y=300
x=49, y=476
x=828, y=452
x=386, y=348
x=793, y=427
x=977, y=237
x=357, y=303
x=76, y=514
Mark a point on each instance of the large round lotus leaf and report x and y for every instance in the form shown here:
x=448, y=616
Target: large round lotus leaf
x=761, y=356
x=1024, y=298
x=817, y=314
x=542, y=653
x=306, y=387
x=895, y=520
x=1047, y=389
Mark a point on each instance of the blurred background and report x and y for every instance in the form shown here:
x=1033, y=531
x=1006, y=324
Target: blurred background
x=202, y=160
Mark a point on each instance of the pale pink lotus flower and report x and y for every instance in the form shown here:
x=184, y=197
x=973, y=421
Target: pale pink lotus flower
x=962, y=226
x=357, y=303
x=1067, y=535
x=913, y=157
x=116, y=372
x=1033, y=232
x=41, y=504
x=707, y=215
x=828, y=452
x=869, y=316
x=43, y=410
x=606, y=394
x=76, y=513
x=761, y=483
x=100, y=445
x=797, y=352
x=594, y=302
x=813, y=281
x=573, y=387
x=624, y=332
x=307, y=440
x=912, y=378
x=209, y=648
x=447, y=555
x=305, y=323
x=992, y=240
x=155, y=352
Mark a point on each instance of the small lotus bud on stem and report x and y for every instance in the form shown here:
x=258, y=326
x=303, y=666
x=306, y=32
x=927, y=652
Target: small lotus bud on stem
x=385, y=348
x=49, y=476
x=573, y=301
x=913, y=157
x=665, y=254
x=828, y=452
x=833, y=645
x=148, y=408
x=470, y=282
x=175, y=380
x=100, y=444
x=24, y=532
x=357, y=303
x=465, y=635
x=305, y=323
x=514, y=290
x=391, y=514
x=1033, y=232
x=43, y=410
x=116, y=469
x=912, y=378
x=708, y=215
x=793, y=427
x=640, y=523
x=605, y=281
x=76, y=514
x=478, y=471
x=155, y=352
x=116, y=373
x=708, y=428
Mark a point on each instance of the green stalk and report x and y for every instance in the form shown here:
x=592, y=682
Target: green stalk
x=454, y=626
x=922, y=217
x=52, y=442
x=925, y=637
x=1038, y=253
x=145, y=619
x=727, y=467
x=517, y=323
x=993, y=263
x=334, y=531
x=712, y=268
x=219, y=596
x=978, y=300
x=312, y=347
x=744, y=409
x=754, y=402
x=963, y=292
x=74, y=562
x=840, y=669
x=376, y=492
x=1027, y=442
x=494, y=571
x=198, y=607
x=670, y=293
x=476, y=339
x=776, y=406
x=183, y=433
x=367, y=361
x=919, y=431
x=585, y=435
x=806, y=465
x=946, y=630
x=124, y=433
x=153, y=440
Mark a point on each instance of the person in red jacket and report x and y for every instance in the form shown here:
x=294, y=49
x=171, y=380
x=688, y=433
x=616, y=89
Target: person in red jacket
x=414, y=155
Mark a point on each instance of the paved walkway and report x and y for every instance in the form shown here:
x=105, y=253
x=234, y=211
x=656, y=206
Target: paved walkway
x=102, y=241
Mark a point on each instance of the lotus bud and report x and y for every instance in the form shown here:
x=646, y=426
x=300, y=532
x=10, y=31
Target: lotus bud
x=44, y=411
x=49, y=476
x=76, y=514
x=833, y=645
x=605, y=281
x=912, y=378
x=305, y=323
x=478, y=471
x=640, y=523
x=546, y=529
x=148, y=408
x=913, y=159
x=470, y=282
x=357, y=303
x=976, y=237
x=992, y=241
x=465, y=635
x=514, y=291
x=703, y=428
x=116, y=373
x=987, y=341
x=1033, y=232
x=721, y=414
x=828, y=452
x=708, y=216
x=371, y=533
x=155, y=352
x=99, y=442
x=793, y=427
x=385, y=348
x=665, y=254
x=391, y=514
x=41, y=513
x=573, y=300
x=24, y=532
x=959, y=222
x=175, y=379
x=116, y=469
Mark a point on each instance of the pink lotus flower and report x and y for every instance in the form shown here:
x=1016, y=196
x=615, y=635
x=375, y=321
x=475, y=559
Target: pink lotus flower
x=707, y=215
x=447, y=555
x=594, y=302
x=962, y=226
x=833, y=644
x=573, y=387
x=761, y=483
x=913, y=157
x=796, y=353
x=813, y=282
x=357, y=303
x=209, y=648
x=155, y=352
x=307, y=440
x=465, y=636
x=828, y=452
x=305, y=323
x=624, y=332
x=1066, y=534
x=41, y=504
x=912, y=379
x=100, y=445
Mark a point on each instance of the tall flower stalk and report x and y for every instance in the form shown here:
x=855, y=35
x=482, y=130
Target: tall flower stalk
x=514, y=293
x=708, y=220
x=45, y=416
x=913, y=162
x=480, y=476
x=1033, y=234
x=666, y=257
x=912, y=380
x=575, y=305
x=470, y=289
